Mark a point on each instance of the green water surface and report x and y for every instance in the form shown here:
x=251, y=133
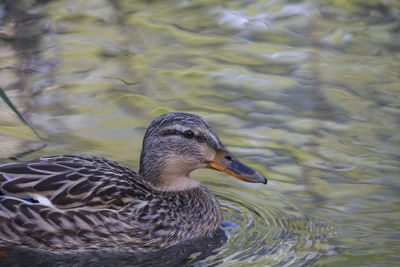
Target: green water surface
x=306, y=92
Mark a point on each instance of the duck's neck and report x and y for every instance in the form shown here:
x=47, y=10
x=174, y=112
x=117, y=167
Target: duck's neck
x=168, y=173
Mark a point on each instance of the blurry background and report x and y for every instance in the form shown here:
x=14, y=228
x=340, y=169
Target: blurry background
x=306, y=92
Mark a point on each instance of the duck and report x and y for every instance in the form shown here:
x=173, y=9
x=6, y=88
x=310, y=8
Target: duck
x=83, y=202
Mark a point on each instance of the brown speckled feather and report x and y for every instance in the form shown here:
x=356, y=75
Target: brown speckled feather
x=73, y=181
x=97, y=203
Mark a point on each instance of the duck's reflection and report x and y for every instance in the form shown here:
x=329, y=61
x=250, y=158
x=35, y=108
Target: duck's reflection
x=184, y=253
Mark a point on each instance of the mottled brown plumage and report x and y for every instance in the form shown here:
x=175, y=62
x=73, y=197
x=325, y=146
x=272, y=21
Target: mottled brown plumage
x=87, y=202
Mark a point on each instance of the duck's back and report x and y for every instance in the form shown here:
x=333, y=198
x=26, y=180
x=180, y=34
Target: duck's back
x=73, y=181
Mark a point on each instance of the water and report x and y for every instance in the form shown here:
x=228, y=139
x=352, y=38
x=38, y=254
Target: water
x=306, y=92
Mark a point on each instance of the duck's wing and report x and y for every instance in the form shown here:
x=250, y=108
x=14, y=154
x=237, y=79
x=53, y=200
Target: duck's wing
x=72, y=181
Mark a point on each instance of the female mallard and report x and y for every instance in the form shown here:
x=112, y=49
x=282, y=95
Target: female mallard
x=86, y=202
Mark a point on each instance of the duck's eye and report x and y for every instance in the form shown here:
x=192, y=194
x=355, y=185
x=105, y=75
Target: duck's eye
x=188, y=134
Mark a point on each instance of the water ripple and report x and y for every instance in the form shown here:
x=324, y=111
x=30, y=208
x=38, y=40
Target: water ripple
x=275, y=233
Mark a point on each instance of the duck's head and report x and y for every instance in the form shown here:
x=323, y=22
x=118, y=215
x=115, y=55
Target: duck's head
x=177, y=143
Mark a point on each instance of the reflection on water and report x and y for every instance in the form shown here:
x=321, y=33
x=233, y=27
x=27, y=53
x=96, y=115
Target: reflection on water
x=185, y=253
x=306, y=92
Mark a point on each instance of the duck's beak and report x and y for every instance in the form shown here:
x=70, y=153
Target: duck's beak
x=224, y=161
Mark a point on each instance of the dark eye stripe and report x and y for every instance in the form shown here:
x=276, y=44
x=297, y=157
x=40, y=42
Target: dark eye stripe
x=170, y=132
x=201, y=138
x=185, y=134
